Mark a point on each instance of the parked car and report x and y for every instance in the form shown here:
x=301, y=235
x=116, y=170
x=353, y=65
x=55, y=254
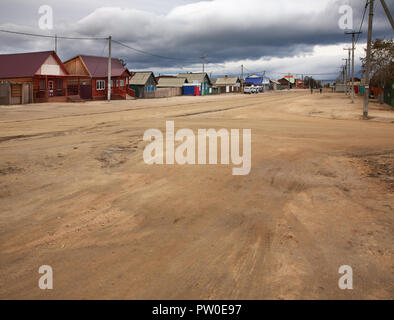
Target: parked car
x=251, y=90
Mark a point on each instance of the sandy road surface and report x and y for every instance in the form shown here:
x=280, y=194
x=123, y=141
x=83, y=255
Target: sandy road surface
x=75, y=194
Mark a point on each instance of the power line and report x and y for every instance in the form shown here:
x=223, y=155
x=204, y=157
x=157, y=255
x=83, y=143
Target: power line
x=153, y=54
x=115, y=41
x=91, y=38
x=51, y=37
x=306, y=73
x=99, y=62
x=362, y=21
x=144, y=52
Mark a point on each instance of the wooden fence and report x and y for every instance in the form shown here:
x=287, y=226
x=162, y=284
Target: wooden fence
x=164, y=93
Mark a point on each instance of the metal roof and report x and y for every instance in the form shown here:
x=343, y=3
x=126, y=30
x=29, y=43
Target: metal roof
x=98, y=66
x=290, y=80
x=255, y=79
x=141, y=78
x=255, y=76
x=171, y=82
x=23, y=65
x=195, y=77
x=227, y=81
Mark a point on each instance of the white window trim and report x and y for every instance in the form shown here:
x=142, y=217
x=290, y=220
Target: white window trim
x=100, y=85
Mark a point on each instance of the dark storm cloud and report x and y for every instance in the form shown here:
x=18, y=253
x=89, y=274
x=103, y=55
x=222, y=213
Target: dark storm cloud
x=224, y=30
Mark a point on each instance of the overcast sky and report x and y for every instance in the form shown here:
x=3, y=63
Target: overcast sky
x=276, y=36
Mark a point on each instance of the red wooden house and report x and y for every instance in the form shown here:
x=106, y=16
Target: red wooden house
x=33, y=77
x=92, y=78
x=299, y=84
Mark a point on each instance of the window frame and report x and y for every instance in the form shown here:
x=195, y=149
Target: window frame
x=100, y=85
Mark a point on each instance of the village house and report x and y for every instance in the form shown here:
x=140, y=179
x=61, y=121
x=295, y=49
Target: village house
x=287, y=82
x=32, y=78
x=284, y=83
x=91, y=78
x=274, y=85
x=198, y=83
x=144, y=84
x=160, y=76
x=254, y=80
x=170, y=86
x=258, y=81
x=299, y=84
x=228, y=84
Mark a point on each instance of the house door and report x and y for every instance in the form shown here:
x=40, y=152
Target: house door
x=51, y=87
x=85, y=92
x=26, y=93
x=227, y=89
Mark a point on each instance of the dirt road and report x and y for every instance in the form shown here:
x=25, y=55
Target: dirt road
x=75, y=194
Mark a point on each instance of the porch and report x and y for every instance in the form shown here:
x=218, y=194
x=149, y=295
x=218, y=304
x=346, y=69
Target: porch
x=50, y=89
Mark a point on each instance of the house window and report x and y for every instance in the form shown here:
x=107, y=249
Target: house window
x=100, y=85
x=112, y=83
x=150, y=88
x=122, y=83
x=42, y=84
x=59, y=84
x=117, y=83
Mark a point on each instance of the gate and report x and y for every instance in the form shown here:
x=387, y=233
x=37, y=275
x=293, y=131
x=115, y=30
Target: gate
x=4, y=93
x=26, y=93
x=16, y=94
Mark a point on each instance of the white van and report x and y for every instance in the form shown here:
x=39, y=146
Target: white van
x=250, y=90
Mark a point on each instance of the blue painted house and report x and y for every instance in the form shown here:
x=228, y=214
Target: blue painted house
x=258, y=81
x=254, y=80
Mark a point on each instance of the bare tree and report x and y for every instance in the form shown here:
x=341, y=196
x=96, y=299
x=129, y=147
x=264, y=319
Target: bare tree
x=382, y=60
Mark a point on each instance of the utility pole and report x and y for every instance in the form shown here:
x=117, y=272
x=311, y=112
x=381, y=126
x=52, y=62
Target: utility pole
x=348, y=69
x=353, y=48
x=345, y=75
x=203, y=63
x=242, y=76
x=109, y=68
x=368, y=67
x=386, y=9
x=203, y=71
